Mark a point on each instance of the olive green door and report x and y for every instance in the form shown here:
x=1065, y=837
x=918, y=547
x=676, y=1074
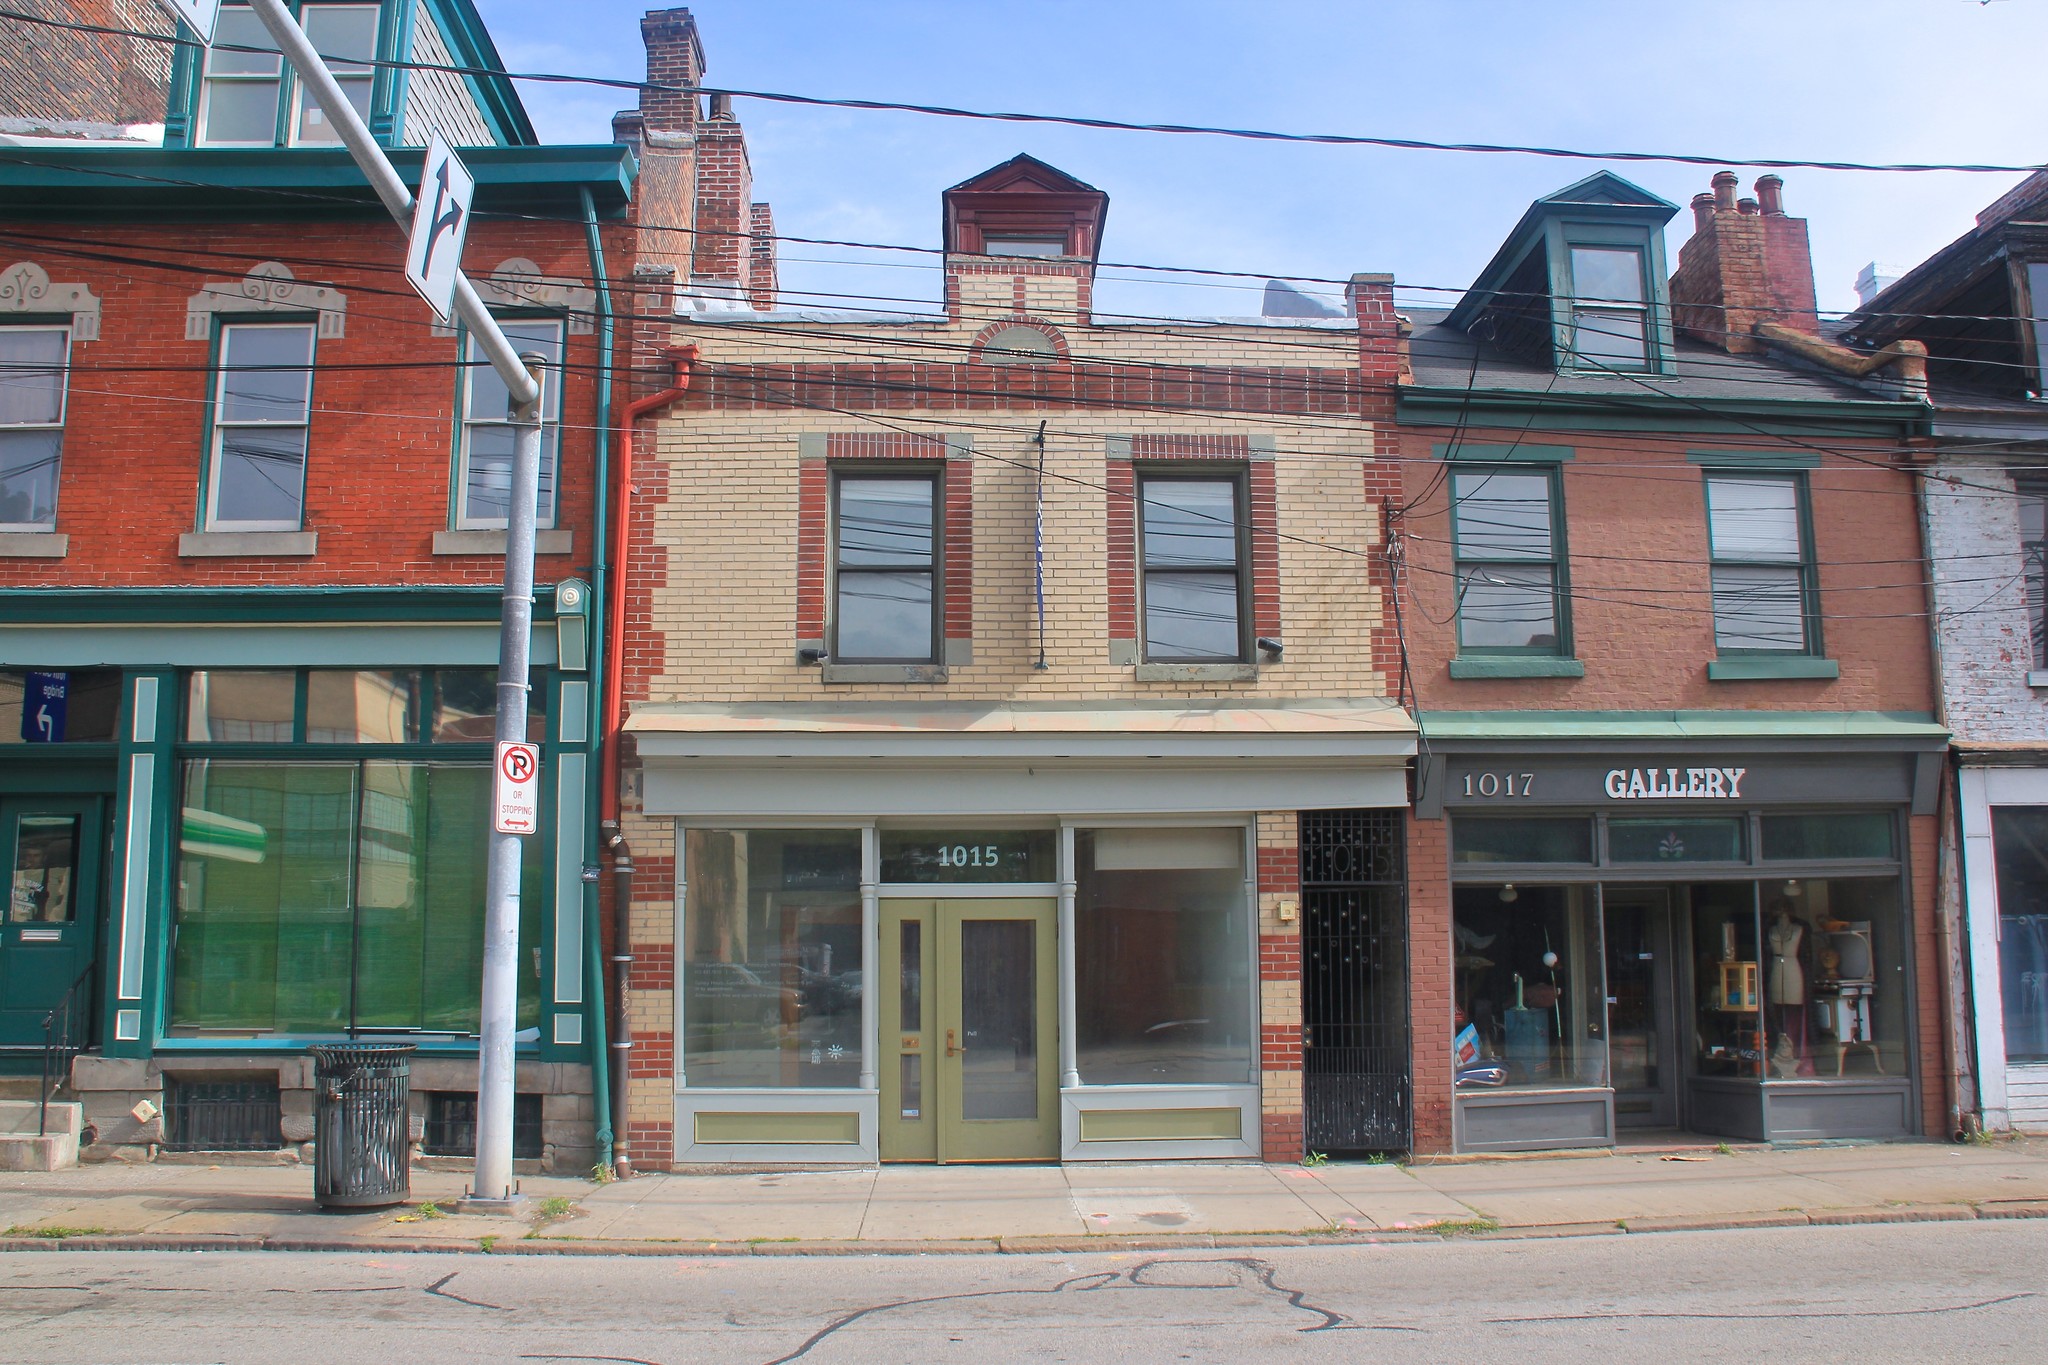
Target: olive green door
x=970, y=1064
x=52, y=847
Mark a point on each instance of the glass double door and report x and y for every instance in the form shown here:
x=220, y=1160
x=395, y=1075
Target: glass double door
x=52, y=846
x=969, y=1058
x=1642, y=1015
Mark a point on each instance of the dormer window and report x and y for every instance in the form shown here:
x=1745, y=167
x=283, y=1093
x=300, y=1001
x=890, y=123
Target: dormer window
x=249, y=99
x=1004, y=244
x=1609, y=309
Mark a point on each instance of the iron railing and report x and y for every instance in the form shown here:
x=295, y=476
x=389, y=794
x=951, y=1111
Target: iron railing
x=66, y=1031
x=1356, y=1088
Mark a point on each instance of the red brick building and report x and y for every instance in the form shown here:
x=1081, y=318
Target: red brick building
x=1671, y=865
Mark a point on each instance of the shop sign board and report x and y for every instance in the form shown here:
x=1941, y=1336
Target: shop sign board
x=515, y=788
x=1717, y=779
x=45, y=701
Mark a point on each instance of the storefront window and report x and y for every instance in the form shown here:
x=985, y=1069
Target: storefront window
x=1675, y=841
x=1163, y=955
x=2019, y=840
x=772, y=958
x=1567, y=840
x=59, y=706
x=1530, y=1001
x=1843, y=835
x=316, y=898
x=352, y=706
x=1728, y=980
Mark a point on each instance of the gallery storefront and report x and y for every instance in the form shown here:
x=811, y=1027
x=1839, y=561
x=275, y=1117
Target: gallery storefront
x=1691, y=921
x=2004, y=826
x=989, y=933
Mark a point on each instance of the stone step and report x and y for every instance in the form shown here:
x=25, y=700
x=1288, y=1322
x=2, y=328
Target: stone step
x=22, y=1148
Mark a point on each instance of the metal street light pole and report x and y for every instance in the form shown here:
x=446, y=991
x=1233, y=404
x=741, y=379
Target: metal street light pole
x=492, y=1184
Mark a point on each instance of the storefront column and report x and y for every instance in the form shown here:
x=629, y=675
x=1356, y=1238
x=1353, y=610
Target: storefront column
x=1276, y=881
x=1938, y=1082
x=1070, y=1063
x=137, y=950
x=654, y=1072
x=1430, y=983
x=870, y=953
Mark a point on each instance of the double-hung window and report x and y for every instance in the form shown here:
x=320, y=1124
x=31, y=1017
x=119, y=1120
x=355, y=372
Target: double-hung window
x=484, y=478
x=1763, y=571
x=1610, y=311
x=2033, y=512
x=1507, y=543
x=33, y=363
x=263, y=398
x=243, y=93
x=886, y=537
x=1192, y=540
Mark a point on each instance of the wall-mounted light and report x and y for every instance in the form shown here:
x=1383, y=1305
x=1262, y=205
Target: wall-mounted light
x=1792, y=886
x=572, y=626
x=1509, y=894
x=1271, y=647
x=811, y=654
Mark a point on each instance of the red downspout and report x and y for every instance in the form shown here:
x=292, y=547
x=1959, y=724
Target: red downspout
x=684, y=360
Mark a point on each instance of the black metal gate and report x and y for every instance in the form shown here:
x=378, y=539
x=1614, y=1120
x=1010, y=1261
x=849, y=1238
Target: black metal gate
x=1354, y=982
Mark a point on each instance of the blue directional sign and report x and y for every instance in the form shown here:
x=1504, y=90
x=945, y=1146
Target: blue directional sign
x=44, y=697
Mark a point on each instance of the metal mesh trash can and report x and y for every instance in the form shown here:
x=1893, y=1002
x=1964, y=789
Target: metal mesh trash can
x=361, y=1123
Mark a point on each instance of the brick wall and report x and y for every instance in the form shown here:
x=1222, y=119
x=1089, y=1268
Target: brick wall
x=1746, y=262
x=1430, y=984
x=1987, y=647
x=1279, y=884
x=378, y=472
x=85, y=84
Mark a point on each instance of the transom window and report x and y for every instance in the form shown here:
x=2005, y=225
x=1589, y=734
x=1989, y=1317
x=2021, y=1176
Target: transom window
x=33, y=365
x=1510, y=568
x=249, y=98
x=1763, y=570
x=1191, y=531
x=1609, y=308
x=485, y=479
x=1022, y=244
x=885, y=536
x=263, y=398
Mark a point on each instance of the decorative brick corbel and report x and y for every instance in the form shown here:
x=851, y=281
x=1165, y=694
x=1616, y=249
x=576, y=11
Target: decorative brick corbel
x=269, y=287
x=25, y=288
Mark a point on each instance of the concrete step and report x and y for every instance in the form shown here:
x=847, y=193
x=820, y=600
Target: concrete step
x=22, y=1148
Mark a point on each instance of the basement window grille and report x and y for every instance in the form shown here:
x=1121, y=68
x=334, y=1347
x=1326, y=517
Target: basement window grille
x=451, y=1125
x=222, y=1115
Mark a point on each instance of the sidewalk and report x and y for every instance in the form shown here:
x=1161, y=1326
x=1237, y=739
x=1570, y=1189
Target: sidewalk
x=927, y=1209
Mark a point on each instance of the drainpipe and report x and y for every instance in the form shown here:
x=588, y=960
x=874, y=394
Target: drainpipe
x=600, y=648
x=684, y=361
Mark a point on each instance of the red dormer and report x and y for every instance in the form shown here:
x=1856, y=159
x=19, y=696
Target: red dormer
x=1024, y=207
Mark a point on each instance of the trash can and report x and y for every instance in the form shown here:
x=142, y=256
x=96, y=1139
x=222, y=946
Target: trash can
x=361, y=1125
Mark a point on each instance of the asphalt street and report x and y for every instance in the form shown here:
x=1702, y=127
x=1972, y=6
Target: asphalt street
x=1922, y=1292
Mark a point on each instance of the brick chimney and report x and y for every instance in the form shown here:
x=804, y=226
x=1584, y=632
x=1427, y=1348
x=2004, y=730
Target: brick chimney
x=1022, y=239
x=1746, y=262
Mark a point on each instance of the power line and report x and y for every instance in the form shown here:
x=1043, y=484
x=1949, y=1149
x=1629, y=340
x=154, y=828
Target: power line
x=1080, y=121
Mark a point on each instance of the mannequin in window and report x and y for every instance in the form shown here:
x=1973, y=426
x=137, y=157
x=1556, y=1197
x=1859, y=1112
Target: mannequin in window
x=1785, y=980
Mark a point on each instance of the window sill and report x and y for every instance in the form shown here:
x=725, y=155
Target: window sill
x=883, y=673
x=2037, y=679
x=1762, y=669
x=248, y=544
x=33, y=545
x=1199, y=673
x=493, y=543
x=1517, y=666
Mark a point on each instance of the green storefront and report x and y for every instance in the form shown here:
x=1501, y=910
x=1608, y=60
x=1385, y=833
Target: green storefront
x=243, y=822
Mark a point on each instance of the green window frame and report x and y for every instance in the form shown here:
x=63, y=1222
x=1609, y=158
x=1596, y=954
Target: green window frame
x=1763, y=578
x=333, y=849
x=2031, y=500
x=1605, y=317
x=1510, y=561
x=483, y=428
x=258, y=425
x=253, y=98
x=35, y=374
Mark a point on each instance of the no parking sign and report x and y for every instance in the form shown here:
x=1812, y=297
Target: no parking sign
x=515, y=788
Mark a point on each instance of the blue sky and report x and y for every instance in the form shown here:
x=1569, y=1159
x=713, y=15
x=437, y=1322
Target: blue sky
x=1865, y=80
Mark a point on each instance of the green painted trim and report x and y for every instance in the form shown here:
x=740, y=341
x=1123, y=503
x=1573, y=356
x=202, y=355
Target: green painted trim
x=1758, y=668
x=1516, y=666
x=836, y=1127
x=1161, y=1125
x=1622, y=203
x=1519, y=452
x=596, y=1012
x=1732, y=723
x=242, y=606
x=1755, y=459
x=389, y=87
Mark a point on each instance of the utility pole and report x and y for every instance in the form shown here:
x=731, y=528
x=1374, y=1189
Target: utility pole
x=492, y=1187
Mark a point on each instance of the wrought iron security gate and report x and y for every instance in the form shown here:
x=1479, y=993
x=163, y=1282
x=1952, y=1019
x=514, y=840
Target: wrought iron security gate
x=1354, y=982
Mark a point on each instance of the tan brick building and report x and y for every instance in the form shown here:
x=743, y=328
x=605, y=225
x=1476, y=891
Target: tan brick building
x=980, y=667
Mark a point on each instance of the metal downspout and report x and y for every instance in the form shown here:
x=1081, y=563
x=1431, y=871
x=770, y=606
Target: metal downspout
x=683, y=359
x=600, y=642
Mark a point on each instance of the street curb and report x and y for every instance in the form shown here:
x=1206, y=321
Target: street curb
x=1998, y=1210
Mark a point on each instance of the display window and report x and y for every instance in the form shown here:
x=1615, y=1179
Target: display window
x=2019, y=840
x=1162, y=955
x=1530, y=998
x=772, y=958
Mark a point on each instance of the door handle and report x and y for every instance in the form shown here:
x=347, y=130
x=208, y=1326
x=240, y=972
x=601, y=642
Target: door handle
x=953, y=1048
